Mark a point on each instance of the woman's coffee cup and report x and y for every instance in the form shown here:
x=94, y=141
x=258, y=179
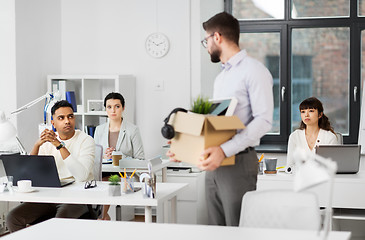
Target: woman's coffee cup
x=116, y=156
x=24, y=185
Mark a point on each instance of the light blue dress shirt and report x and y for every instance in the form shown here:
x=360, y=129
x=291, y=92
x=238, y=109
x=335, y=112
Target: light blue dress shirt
x=251, y=83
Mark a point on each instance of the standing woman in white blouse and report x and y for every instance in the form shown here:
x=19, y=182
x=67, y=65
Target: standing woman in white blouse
x=117, y=134
x=315, y=129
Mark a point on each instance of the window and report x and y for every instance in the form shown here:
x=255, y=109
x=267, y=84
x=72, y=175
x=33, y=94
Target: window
x=362, y=58
x=265, y=47
x=320, y=8
x=258, y=9
x=311, y=48
x=323, y=72
x=361, y=8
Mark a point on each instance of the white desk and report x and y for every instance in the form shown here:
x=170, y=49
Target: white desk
x=163, y=166
x=348, y=188
x=61, y=229
x=76, y=194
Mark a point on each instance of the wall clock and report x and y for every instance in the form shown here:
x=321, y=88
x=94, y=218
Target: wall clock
x=157, y=45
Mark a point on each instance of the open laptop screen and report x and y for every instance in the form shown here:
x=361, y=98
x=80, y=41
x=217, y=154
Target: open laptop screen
x=346, y=156
x=41, y=170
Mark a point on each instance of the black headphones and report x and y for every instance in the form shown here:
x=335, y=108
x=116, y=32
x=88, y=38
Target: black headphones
x=167, y=130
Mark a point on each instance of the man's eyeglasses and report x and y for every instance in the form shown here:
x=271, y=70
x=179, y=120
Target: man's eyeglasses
x=90, y=184
x=205, y=40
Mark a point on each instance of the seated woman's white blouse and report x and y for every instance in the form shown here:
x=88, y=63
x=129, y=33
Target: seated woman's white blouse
x=297, y=140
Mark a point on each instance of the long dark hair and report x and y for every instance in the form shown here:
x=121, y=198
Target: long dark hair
x=314, y=103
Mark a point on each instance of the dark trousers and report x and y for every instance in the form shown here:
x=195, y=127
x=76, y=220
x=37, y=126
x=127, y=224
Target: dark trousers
x=226, y=186
x=31, y=213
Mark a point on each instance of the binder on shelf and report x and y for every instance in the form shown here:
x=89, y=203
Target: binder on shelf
x=70, y=97
x=90, y=130
x=62, y=88
x=55, y=87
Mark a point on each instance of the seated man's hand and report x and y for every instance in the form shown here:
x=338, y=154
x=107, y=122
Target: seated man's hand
x=211, y=158
x=48, y=136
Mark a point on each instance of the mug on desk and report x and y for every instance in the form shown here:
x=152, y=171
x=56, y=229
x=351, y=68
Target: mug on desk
x=24, y=185
x=270, y=164
x=116, y=156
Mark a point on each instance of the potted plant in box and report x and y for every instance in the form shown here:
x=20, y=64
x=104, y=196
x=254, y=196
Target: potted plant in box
x=201, y=105
x=114, y=186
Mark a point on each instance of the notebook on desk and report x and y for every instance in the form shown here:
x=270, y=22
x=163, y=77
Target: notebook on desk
x=347, y=156
x=41, y=170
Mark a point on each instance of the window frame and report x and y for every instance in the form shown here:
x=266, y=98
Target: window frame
x=355, y=24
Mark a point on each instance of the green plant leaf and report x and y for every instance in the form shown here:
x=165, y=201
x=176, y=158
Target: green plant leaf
x=114, y=179
x=201, y=105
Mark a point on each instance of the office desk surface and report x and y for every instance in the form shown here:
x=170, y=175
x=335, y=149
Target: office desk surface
x=75, y=193
x=348, y=188
x=60, y=229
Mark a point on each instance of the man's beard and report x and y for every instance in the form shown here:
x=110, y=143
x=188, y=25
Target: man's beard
x=215, y=55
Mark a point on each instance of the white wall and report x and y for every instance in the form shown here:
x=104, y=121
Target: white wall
x=108, y=37
x=38, y=53
x=7, y=66
x=7, y=57
x=208, y=70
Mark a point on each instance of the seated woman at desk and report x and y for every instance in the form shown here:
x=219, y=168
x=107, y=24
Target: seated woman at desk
x=315, y=129
x=118, y=134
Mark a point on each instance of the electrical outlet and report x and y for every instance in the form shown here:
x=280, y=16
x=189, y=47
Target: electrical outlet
x=159, y=85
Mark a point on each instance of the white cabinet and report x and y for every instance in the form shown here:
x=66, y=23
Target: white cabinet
x=191, y=204
x=93, y=89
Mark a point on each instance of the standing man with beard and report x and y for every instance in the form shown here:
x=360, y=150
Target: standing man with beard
x=251, y=83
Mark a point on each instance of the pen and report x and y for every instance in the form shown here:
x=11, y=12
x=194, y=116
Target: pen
x=280, y=167
x=121, y=175
x=262, y=156
x=133, y=173
x=125, y=173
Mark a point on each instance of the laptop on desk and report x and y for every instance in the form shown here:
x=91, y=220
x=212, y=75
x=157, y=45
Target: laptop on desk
x=41, y=170
x=346, y=156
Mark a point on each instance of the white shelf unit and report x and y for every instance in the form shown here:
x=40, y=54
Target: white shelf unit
x=95, y=87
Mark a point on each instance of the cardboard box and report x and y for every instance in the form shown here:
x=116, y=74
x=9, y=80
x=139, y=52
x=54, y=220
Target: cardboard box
x=196, y=132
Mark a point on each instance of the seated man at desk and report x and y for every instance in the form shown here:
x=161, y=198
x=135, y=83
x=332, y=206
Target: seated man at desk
x=74, y=153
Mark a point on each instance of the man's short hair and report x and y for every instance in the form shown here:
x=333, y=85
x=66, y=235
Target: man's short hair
x=114, y=95
x=225, y=24
x=59, y=104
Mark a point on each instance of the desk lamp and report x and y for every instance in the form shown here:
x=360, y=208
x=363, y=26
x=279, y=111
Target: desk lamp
x=313, y=170
x=7, y=129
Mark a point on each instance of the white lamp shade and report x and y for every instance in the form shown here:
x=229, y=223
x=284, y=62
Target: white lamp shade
x=310, y=174
x=7, y=129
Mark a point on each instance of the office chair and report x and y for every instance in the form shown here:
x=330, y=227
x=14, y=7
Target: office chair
x=280, y=209
x=95, y=211
x=339, y=138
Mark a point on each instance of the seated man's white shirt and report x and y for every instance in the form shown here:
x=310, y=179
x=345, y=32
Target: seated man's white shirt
x=79, y=164
x=297, y=140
